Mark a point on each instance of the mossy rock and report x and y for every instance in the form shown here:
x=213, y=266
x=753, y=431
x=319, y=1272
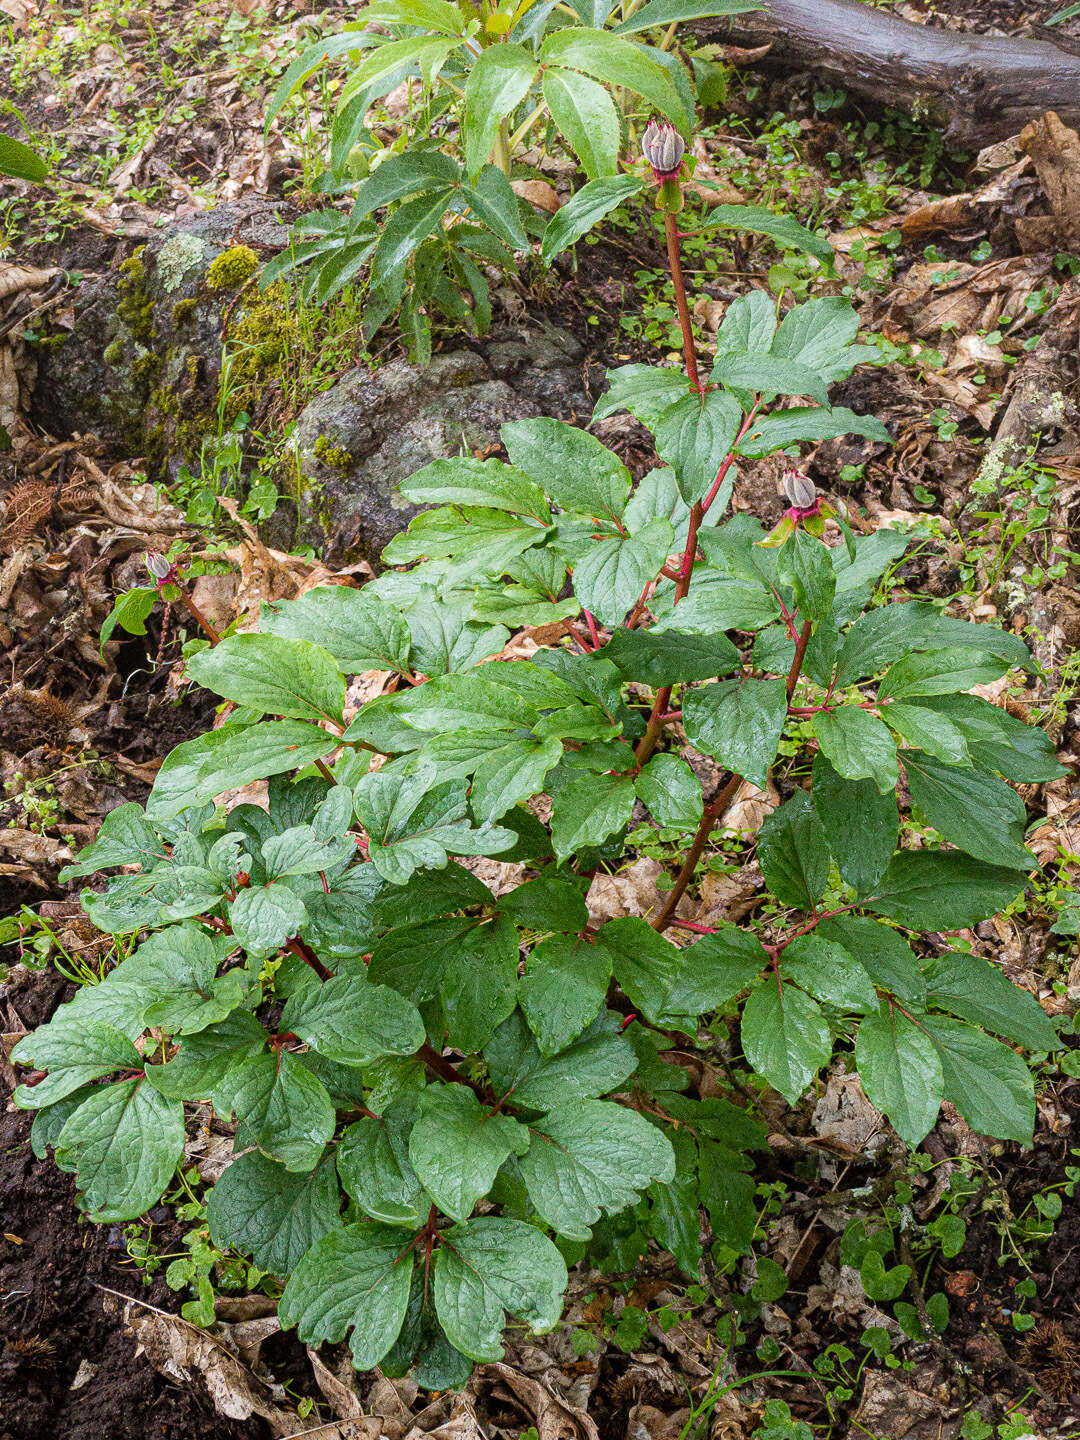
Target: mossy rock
x=357, y=442
x=142, y=367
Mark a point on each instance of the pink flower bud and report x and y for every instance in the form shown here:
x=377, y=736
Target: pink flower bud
x=799, y=489
x=663, y=147
x=159, y=567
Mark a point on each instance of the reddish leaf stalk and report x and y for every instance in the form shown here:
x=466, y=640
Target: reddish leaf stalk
x=671, y=232
x=713, y=812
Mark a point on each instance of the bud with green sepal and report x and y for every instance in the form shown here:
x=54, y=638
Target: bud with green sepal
x=805, y=508
x=664, y=148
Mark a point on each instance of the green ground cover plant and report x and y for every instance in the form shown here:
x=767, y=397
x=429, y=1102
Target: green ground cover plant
x=443, y=1097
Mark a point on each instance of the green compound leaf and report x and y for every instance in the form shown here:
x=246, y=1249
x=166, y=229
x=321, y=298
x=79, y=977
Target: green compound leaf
x=671, y=791
x=488, y=1269
x=583, y=210
x=373, y=1162
x=124, y=1141
x=263, y=917
x=861, y=824
x=571, y=466
x=793, y=854
x=669, y=985
x=590, y=809
x=206, y=1058
x=596, y=1063
x=74, y=1052
x=989, y=1084
x=355, y=1279
x=858, y=746
x=292, y=678
x=272, y=1214
x=694, y=436
x=739, y=724
x=350, y=1020
x=785, y=1037
x=563, y=988
x=499, y=79
x=942, y=890
x=974, y=810
x=126, y=837
x=592, y=1156
x=360, y=630
x=280, y=1107
x=234, y=755
x=976, y=990
x=613, y=572
x=614, y=61
x=667, y=657
x=585, y=113
x=828, y=972
x=457, y=1148
x=900, y=1071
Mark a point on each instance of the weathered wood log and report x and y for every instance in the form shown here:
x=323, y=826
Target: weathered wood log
x=978, y=88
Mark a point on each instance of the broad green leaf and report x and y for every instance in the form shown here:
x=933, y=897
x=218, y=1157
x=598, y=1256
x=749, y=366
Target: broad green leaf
x=793, y=853
x=749, y=325
x=125, y=838
x=988, y=1083
x=879, y=1283
x=819, y=334
x=443, y=639
x=582, y=211
x=464, y=480
x=510, y=774
x=479, y=983
x=206, y=1058
x=357, y=1279
x=806, y=423
x=882, y=952
x=457, y=1148
x=785, y=1037
x=612, y=573
x=271, y=1214
x=300, y=851
x=861, y=824
x=668, y=12
x=976, y=990
x=806, y=565
x=74, y=1053
x=350, y=1020
x=292, y=678
x=20, y=162
x=563, y=987
x=787, y=232
x=573, y=467
x=377, y=72
x=857, y=745
x=588, y=810
x=234, y=755
x=938, y=672
x=373, y=1162
x=717, y=602
x=667, y=984
x=768, y=376
x=667, y=657
x=998, y=740
x=694, y=436
x=596, y=1063
x=359, y=630
x=470, y=543
x=674, y=1214
x=739, y=724
x=828, y=972
x=646, y=391
x=184, y=993
x=494, y=204
x=928, y=731
x=263, y=917
x=402, y=234
x=422, y=1346
x=974, y=810
x=48, y=1123
x=413, y=957
x=547, y=903
x=885, y=635
x=498, y=81
x=942, y=890
x=585, y=113
x=590, y=1156
x=900, y=1072
x=438, y=15
x=614, y=61
x=671, y=791
x=464, y=702
x=309, y=60
x=280, y=1107
x=124, y=1141
x=492, y=1267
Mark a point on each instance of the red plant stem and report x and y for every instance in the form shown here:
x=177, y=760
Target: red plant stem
x=694, y=926
x=796, y=664
x=197, y=615
x=789, y=623
x=304, y=952
x=671, y=233
x=712, y=813
x=592, y=629
x=439, y=1065
x=669, y=716
x=649, y=741
x=324, y=771
x=726, y=463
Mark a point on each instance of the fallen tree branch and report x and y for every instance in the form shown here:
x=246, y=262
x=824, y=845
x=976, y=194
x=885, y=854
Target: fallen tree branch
x=978, y=88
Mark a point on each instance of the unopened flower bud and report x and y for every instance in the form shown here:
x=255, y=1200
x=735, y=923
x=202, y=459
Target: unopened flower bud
x=663, y=147
x=159, y=567
x=800, y=490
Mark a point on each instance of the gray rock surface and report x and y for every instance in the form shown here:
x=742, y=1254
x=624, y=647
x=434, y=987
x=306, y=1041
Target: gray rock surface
x=356, y=443
x=142, y=365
